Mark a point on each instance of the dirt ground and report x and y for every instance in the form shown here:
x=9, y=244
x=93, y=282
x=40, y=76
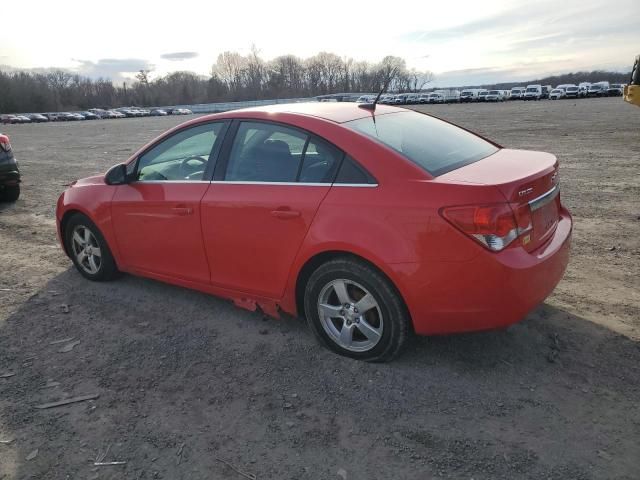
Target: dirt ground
x=187, y=382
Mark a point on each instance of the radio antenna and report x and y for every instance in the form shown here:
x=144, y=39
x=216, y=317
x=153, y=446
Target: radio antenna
x=372, y=106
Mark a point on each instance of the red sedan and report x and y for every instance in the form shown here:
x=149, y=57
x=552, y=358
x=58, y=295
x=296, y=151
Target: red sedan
x=371, y=224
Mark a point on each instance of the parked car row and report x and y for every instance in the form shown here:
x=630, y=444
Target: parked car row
x=530, y=92
x=440, y=96
x=92, y=114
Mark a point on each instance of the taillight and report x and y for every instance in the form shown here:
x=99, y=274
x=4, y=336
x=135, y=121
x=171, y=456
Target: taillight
x=4, y=144
x=494, y=226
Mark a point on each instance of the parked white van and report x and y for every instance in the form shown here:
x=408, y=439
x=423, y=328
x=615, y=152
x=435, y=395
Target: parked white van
x=556, y=94
x=517, y=93
x=572, y=91
x=411, y=98
x=533, y=92
x=598, y=89
x=470, y=95
x=436, y=97
x=494, y=96
x=564, y=86
x=366, y=99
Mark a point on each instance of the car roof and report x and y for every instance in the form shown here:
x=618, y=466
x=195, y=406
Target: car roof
x=338, y=112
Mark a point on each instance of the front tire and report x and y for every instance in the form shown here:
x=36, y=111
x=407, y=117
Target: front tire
x=10, y=194
x=88, y=249
x=354, y=310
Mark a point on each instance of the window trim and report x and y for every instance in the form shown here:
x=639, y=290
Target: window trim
x=214, y=154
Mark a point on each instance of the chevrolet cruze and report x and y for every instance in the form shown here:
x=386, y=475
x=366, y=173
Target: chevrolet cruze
x=373, y=223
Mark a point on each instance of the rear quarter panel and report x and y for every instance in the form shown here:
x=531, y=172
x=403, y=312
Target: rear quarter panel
x=396, y=226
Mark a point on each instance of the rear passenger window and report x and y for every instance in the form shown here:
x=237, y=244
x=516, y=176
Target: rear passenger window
x=321, y=160
x=269, y=152
x=265, y=152
x=352, y=172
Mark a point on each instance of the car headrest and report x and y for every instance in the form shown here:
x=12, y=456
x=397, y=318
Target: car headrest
x=276, y=148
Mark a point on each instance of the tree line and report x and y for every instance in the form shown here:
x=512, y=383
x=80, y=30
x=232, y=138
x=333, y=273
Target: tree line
x=233, y=77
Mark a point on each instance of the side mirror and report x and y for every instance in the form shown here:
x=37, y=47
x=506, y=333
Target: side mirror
x=117, y=175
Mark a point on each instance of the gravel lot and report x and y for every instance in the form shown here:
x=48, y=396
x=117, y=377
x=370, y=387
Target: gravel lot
x=187, y=382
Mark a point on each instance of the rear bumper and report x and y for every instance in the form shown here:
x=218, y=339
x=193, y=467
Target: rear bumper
x=9, y=175
x=488, y=292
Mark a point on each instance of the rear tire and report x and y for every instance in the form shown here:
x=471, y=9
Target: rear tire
x=88, y=249
x=10, y=194
x=354, y=310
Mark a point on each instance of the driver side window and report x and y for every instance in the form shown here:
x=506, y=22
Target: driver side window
x=181, y=157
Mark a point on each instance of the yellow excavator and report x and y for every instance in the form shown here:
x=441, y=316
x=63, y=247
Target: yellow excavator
x=632, y=91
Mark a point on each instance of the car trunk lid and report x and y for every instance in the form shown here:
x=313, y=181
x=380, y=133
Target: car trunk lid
x=529, y=182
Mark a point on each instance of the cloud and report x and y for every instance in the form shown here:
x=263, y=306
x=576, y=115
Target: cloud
x=113, y=68
x=539, y=25
x=179, y=56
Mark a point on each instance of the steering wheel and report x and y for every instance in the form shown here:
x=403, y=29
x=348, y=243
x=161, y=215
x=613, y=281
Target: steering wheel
x=186, y=169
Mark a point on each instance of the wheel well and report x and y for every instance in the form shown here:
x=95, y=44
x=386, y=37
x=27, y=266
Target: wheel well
x=63, y=227
x=314, y=262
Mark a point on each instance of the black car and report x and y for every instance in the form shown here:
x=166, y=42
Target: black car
x=9, y=173
x=89, y=115
x=38, y=118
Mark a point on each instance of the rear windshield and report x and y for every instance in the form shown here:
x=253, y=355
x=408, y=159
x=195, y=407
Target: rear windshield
x=436, y=146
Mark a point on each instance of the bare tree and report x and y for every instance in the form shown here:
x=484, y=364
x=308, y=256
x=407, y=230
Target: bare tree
x=143, y=77
x=230, y=68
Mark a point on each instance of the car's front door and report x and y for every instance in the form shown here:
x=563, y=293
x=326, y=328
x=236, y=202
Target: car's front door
x=257, y=212
x=156, y=216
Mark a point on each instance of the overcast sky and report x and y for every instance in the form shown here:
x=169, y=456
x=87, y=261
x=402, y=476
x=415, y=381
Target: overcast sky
x=462, y=42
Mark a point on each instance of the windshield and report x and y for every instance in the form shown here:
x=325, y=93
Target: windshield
x=532, y=89
x=494, y=92
x=436, y=146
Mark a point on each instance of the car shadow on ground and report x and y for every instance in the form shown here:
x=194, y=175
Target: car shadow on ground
x=185, y=379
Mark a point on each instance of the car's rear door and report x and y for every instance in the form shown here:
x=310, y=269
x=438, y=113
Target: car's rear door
x=266, y=190
x=156, y=217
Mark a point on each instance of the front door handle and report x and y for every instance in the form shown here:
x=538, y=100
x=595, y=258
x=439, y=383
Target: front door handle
x=182, y=210
x=285, y=213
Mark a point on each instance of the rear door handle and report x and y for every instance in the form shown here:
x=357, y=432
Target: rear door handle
x=284, y=214
x=182, y=210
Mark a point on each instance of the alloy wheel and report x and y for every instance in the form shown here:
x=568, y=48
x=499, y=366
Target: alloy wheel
x=350, y=315
x=86, y=249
